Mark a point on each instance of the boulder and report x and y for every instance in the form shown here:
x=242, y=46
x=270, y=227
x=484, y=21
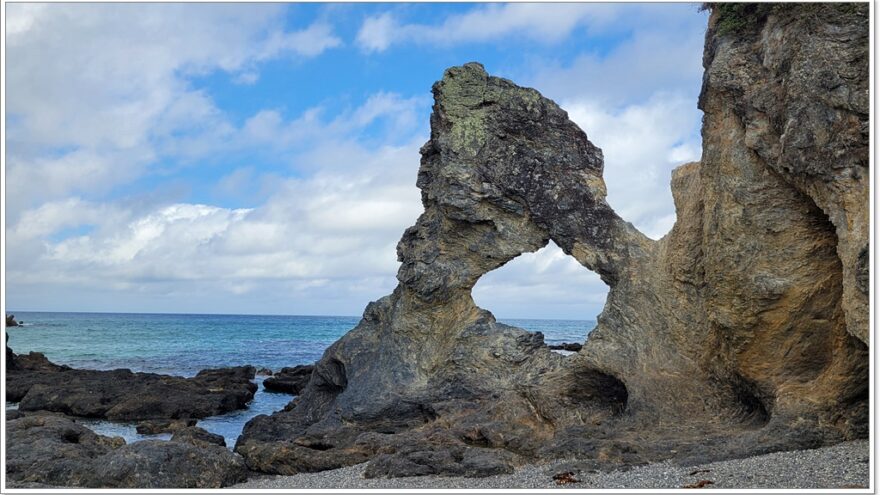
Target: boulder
x=53, y=450
x=742, y=331
x=198, y=437
x=158, y=426
x=10, y=321
x=289, y=380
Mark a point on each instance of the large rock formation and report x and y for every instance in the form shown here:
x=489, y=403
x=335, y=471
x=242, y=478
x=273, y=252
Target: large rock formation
x=742, y=331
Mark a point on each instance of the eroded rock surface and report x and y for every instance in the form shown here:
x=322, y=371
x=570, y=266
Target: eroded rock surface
x=742, y=331
x=289, y=380
x=53, y=450
x=121, y=394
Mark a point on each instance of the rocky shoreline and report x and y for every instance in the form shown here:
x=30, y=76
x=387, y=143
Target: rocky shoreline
x=742, y=333
x=46, y=446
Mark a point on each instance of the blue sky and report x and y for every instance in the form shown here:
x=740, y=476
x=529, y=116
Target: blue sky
x=261, y=158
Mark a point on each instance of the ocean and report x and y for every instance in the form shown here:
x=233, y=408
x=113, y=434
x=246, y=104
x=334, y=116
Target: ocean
x=183, y=344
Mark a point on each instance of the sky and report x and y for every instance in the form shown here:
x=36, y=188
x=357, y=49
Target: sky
x=262, y=158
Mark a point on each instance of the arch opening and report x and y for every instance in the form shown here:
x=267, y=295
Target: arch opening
x=545, y=291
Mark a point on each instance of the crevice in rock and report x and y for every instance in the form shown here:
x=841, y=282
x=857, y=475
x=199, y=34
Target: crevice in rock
x=755, y=406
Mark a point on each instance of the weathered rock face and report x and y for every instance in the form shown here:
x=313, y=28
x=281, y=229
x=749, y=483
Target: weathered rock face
x=123, y=395
x=737, y=333
x=795, y=78
x=56, y=451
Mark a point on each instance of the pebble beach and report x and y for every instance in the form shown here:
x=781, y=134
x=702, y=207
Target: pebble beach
x=842, y=466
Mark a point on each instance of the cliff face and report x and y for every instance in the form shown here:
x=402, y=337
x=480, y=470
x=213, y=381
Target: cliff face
x=743, y=330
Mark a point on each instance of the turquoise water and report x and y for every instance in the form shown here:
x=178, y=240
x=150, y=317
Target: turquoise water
x=180, y=344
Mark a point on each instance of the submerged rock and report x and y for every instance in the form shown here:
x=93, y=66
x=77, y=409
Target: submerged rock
x=742, y=331
x=123, y=395
x=54, y=450
x=289, y=380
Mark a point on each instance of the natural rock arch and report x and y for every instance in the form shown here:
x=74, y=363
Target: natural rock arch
x=728, y=336
x=546, y=285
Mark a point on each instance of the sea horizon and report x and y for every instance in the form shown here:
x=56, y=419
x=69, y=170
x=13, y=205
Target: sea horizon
x=498, y=318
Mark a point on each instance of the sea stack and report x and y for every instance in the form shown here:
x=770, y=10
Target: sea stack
x=742, y=331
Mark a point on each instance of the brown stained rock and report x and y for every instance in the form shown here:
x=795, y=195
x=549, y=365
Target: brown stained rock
x=740, y=332
x=699, y=484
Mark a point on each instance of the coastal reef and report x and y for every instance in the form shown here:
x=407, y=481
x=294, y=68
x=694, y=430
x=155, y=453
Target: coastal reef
x=743, y=331
x=38, y=384
x=45, y=449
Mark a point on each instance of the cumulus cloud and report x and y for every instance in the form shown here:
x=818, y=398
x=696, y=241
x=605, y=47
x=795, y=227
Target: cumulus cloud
x=100, y=92
x=642, y=143
x=100, y=95
x=547, y=279
x=324, y=236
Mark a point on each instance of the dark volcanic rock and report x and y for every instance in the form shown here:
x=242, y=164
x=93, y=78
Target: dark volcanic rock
x=157, y=426
x=289, y=380
x=158, y=464
x=566, y=346
x=473, y=462
x=54, y=450
x=198, y=436
x=123, y=395
x=10, y=321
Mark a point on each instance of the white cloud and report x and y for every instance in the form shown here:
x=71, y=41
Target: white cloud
x=642, y=143
x=542, y=22
x=97, y=93
x=377, y=32
x=547, y=279
x=309, y=42
x=333, y=230
x=91, y=109
x=539, y=22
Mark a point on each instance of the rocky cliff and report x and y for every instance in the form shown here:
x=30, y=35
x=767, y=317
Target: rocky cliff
x=743, y=331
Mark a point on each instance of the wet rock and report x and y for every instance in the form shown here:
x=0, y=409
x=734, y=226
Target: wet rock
x=289, y=380
x=10, y=321
x=54, y=450
x=264, y=372
x=123, y=395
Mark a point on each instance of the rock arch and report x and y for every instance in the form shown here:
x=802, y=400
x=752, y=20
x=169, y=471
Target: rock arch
x=729, y=327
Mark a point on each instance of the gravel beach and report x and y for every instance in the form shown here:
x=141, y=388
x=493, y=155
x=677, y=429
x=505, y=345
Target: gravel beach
x=845, y=465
